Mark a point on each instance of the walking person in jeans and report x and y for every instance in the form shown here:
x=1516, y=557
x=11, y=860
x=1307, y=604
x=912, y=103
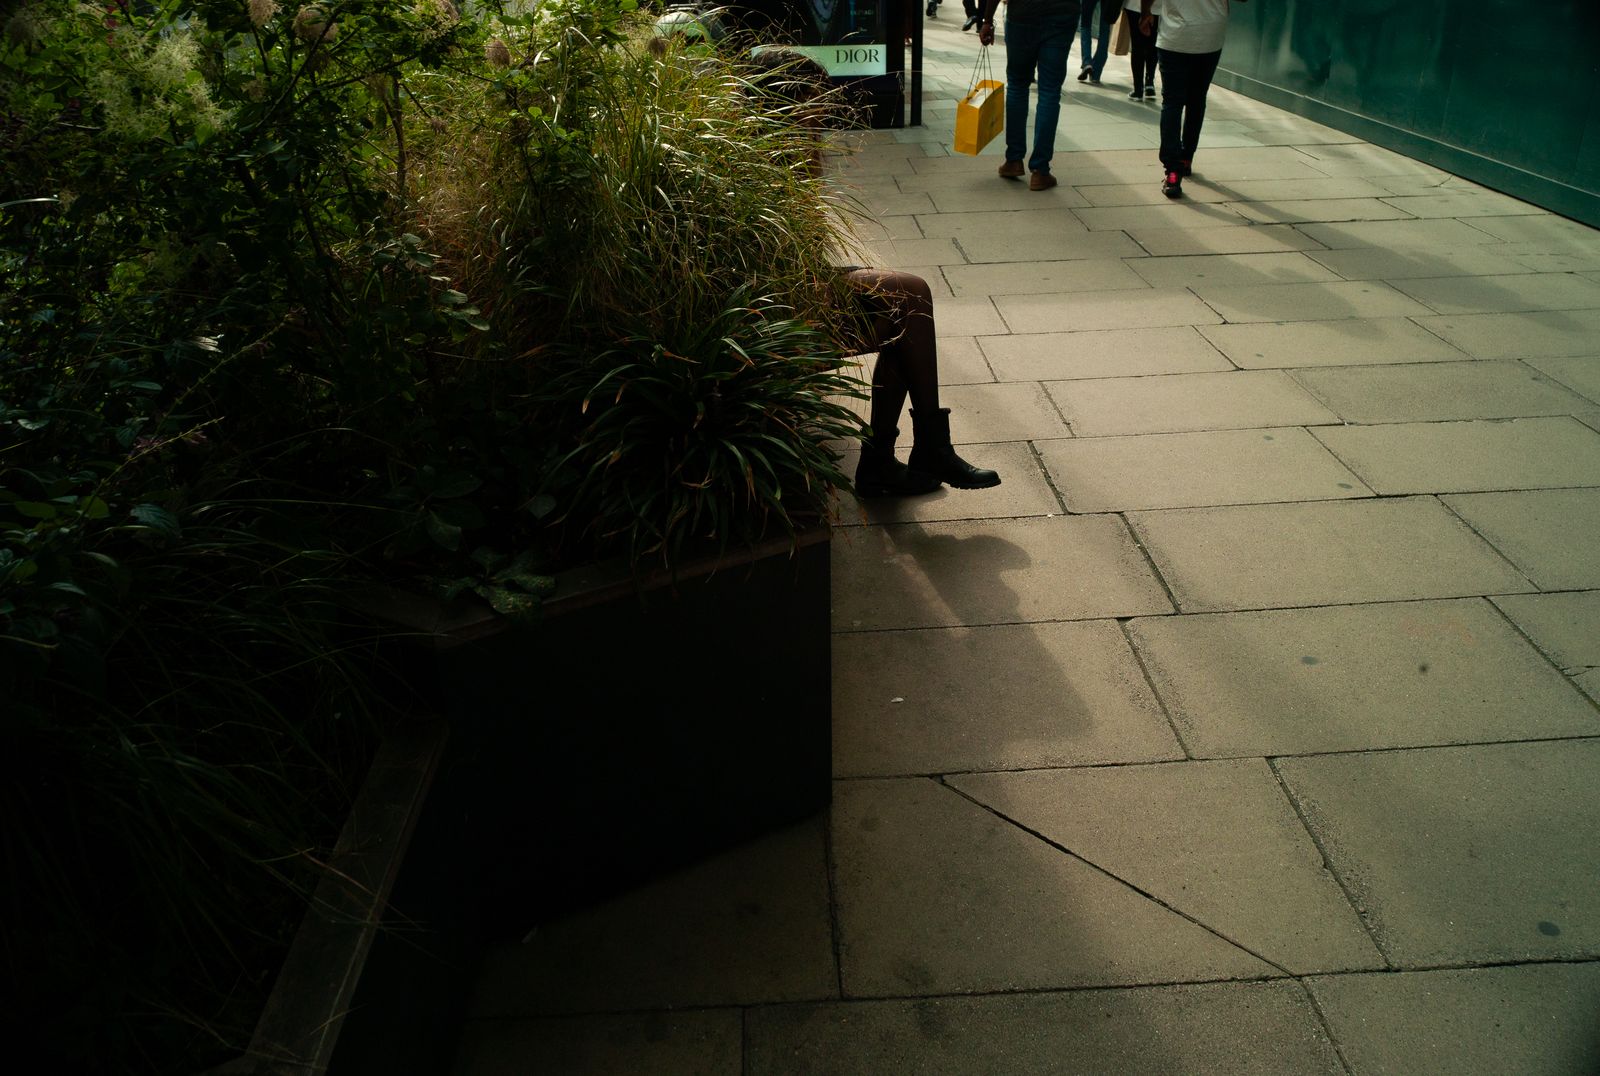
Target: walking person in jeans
x=1091, y=50
x=1038, y=39
x=1188, y=46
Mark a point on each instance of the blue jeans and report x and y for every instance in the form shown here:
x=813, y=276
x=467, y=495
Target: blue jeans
x=1094, y=52
x=1029, y=46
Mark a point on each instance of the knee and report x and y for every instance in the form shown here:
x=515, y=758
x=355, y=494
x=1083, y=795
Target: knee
x=916, y=294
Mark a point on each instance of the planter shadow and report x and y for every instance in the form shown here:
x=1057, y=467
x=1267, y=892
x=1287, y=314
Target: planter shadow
x=636, y=727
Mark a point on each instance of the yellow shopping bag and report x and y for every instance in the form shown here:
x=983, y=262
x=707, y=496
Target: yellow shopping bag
x=982, y=112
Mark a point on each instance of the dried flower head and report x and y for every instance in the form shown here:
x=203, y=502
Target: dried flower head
x=262, y=10
x=496, y=52
x=312, y=24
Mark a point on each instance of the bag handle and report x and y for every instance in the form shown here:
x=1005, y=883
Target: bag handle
x=981, y=70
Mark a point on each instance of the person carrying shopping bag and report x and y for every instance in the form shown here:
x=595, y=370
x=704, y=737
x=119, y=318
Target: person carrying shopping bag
x=1142, y=49
x=1038, y=42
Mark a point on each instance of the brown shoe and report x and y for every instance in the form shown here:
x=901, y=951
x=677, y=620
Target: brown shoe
x=1041, y=181
x=1011, y=170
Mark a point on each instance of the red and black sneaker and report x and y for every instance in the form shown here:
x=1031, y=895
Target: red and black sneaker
x=1172, y=184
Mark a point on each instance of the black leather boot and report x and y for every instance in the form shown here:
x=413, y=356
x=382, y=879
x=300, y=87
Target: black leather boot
x=879, y=474
x=933, y=455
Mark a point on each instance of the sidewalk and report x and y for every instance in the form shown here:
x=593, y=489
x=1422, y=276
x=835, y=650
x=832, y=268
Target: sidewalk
x=1251, y=725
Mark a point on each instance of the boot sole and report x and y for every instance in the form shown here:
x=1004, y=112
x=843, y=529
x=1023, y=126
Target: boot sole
x=973, y=485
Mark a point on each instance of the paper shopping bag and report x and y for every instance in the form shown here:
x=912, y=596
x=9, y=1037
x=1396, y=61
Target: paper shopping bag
x=982, y=112
x=980, y=116
x=1122, y=44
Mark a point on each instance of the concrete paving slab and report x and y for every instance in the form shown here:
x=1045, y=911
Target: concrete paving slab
x=1329, y=553
x=1555, y=233
x=1247, y=1029
x=1048, y=246
x=1217, y=842
x=1341, y=342
x=1549, y=534
x=705, y=1042
x=1535, y=258
x=888, y=228
x=1399, y=234
x=1458, y=457
x=1308, y=301
x=998, y=194
x=1172, y=214
x=987, y=192
x=1463, y=204
x=1175, y=403
x=1219, y=165
x=925, y=702
x=1244, y=191
x=1103, y=310
x=1187, y=470
x=1565, y=626
x=749, y=926
x=1229, y=270
x=1580, y=373
x=961, y=362
x=937, y=895
x=1146, y=190
x=1101, y=353
x=1023, y=491
x=1306, y=210
x=1463, y=854
x=1541, y=334
x=1354, y=678
x=1000, y=224
x=881, y=203
x=1258, y=239
x=1371, y=263
x=1504, y=293
x=966, y=317
x=1526, y=1018
x=1364, y=159
x=993, y=572
x=1035, y=278
x=1437, y=391
x=1008, y=411
x=905, y=253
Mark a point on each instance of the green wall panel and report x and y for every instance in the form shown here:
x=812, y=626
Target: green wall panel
x=1504, y=92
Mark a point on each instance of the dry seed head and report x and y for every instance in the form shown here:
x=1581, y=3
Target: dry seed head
x=496, y=52
x=262, y=10
x=311, y=23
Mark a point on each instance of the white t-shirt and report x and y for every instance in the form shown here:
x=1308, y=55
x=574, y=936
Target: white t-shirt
x=1133, y=6
x=1193, y=26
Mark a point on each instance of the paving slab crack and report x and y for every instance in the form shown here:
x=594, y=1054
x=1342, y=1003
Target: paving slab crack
x=1327, y=859
x=1146, y=894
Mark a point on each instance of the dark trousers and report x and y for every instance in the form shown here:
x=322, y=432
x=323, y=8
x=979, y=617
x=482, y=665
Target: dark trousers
x=970, y=7
x=1142, y=50
x=1185, y=80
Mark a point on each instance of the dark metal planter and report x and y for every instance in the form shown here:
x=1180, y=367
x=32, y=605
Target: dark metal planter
x=637, y=726
x=301, y=1022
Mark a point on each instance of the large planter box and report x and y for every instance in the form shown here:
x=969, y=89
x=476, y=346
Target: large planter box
x=632, y=731
x=636, y=727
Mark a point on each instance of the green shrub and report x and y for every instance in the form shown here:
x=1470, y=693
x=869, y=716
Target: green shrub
x=294, y=299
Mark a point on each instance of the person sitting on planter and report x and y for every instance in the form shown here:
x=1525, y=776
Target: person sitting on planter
x=894, y=317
